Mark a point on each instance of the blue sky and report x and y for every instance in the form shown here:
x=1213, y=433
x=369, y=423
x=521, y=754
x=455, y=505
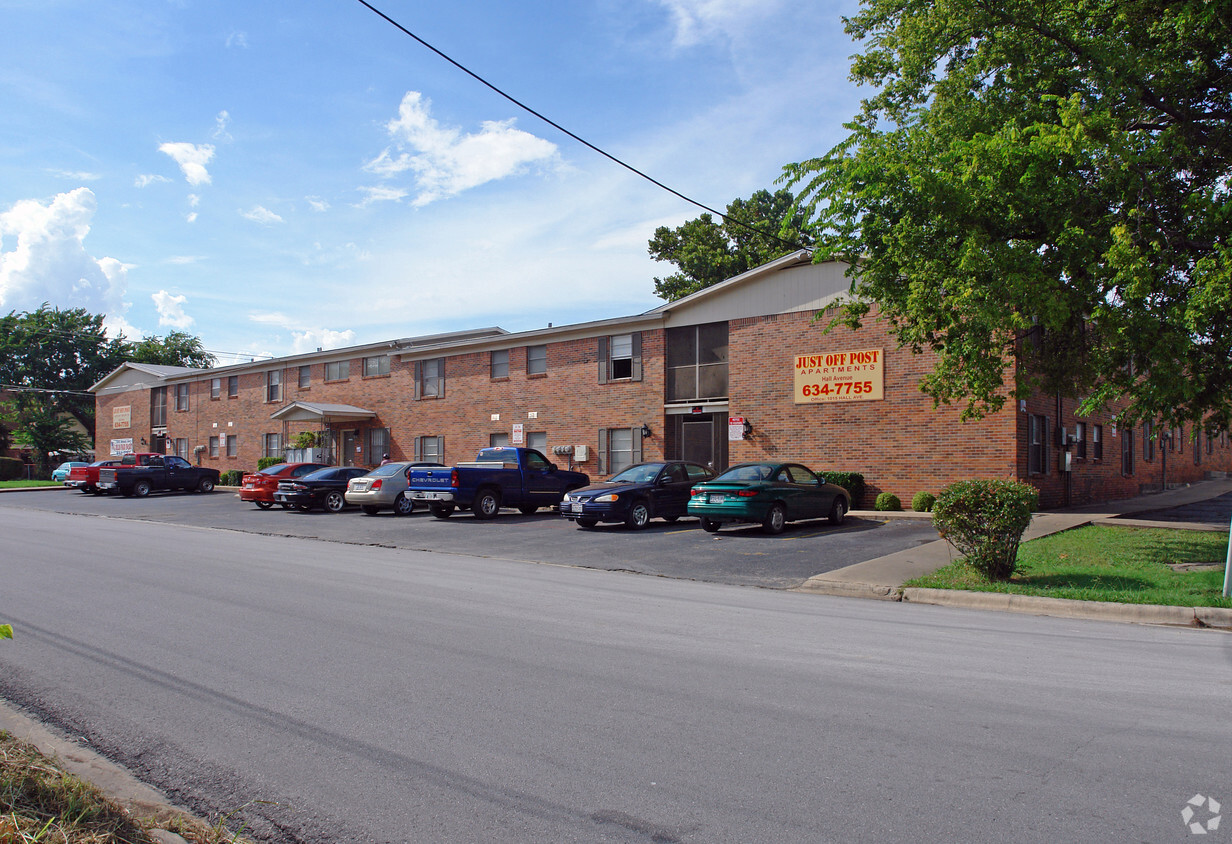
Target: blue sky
x=276, y=177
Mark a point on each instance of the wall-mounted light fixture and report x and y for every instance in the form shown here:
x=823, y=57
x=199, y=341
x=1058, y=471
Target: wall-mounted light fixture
x=748, y=429
x=143, y=440
x=646, y=431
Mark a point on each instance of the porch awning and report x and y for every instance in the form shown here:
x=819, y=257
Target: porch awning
x=302, y=411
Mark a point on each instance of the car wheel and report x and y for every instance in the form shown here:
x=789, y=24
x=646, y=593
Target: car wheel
x=709, y=525
x=587, y=523
x=141, y=489
x=403, y=506
x=486, y=504
x=776, y=519
x=838, y=513
x=206, y=485
x=527, y=509
x=369, y=509
x=265, y=505
x=334, y=502
x=639, y=516
x=671, y=520
x=442, y=511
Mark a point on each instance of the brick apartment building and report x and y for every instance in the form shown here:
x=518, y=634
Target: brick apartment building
x=738, y=371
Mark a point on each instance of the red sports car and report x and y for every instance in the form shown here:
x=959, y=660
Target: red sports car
x=259, y=486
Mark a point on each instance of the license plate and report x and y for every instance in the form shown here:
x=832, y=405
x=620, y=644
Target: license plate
x=576, y=506
x=716, y=499
x=248, y=486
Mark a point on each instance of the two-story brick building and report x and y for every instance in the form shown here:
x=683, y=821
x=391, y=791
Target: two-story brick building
x=738, y=371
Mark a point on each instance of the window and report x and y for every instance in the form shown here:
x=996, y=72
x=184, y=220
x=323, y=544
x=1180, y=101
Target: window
x=619, y=448
x=233, y=386
x=1148, y=442
x=305, y=377
x=158, y=407
x=181, y=397
x=233, y=446
x=697, y=362
x=498, y=440
x=272, y=446
x=1127, y=451
x=1097, y=442
x=213, y=446
x=430, y=449
x=273, y=385
x=215, y=388
x=378, y=444
x=1080, y=437
x=338, y=370
x=620, y=358
x=1037, y=448
x=500, y=364
x=430, y=379
x=1197, y=448
x=181, y=447
x=538, y=440
x=375, y=366
x=536, y=360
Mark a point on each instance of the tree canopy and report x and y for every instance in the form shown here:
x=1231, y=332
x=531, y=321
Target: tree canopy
x=758, y=229
x=1058, y=171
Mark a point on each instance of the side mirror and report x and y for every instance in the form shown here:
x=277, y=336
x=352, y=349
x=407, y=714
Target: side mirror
x=551, y=467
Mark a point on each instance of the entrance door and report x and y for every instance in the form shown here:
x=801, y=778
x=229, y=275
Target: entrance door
x=697, y=442
x=158, y=443
x=349, y=438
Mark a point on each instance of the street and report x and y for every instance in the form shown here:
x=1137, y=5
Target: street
x=366, y=693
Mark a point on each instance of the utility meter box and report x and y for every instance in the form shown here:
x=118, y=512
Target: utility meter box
x=581, y=453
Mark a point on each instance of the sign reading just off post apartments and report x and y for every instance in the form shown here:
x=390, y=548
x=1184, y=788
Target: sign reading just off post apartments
x=855, y=375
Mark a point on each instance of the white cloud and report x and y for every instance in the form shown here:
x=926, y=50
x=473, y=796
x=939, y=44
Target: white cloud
x=171, y=311
x=703, y=20
x=192, y=160
x=190, y=217
x=49, y=261
x=376, y=194
x=76, y=176
x=237, y=39
x=446, y=162
x=261, y=214
x=316, y=203
x=221, y=122
x=184, y=259
x=305, y=339
x=145, y=180
x=193, y=200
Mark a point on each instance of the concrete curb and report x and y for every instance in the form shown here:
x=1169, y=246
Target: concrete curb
x=1216, y=617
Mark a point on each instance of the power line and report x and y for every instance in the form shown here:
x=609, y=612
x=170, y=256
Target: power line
x=575, y=137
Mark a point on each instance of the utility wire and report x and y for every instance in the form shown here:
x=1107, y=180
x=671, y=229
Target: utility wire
x=577, y=138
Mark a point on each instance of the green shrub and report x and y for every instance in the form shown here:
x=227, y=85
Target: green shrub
x=985, y=521
x=887, y=501
x=853, y=482
x=922, y=502
x=231, y=477
x=266, y=462
x=11, y=469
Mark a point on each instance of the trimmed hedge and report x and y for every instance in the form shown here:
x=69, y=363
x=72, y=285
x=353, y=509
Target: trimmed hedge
x=231, y=477
x=985, y=521
x=887, y=502
x=853, y=482
x=922, y=502
x=11, y=469
x=266, y=462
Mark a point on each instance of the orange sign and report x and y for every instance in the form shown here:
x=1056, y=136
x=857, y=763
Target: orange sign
x=856, y=375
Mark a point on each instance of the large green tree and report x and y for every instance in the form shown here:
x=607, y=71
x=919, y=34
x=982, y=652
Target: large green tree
x=755, y=230
x=1049, y=170
x=176, y=349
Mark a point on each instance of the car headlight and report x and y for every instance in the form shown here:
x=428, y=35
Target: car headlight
x=608, y=499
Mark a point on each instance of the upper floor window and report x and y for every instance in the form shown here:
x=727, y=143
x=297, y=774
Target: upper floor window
x=1127, y=451
x=339, y=370
x=273, y=385
x=233, y=385
x=181, y=396
x=536, y=360
x=378, y=365
x=430, y=378
x=1080, y=435
x=158, y=407
x=1097, y=442
x=499, y=365
x=305, y=377
x=697, y=362
x=620, y=358
x=215, y=388
x=1037, y=445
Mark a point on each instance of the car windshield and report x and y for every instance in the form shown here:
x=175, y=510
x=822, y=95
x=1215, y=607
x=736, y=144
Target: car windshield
x=751, y=472
x=389, y=470
x=643, y=474
x=273, y=470
x=321, y=474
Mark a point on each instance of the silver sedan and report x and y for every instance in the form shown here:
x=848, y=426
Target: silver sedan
x=383, y=488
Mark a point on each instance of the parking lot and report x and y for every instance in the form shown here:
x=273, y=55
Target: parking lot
x=736, y=555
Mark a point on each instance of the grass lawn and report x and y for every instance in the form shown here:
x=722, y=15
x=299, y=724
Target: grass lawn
x=21, y=484
x=1097, y=563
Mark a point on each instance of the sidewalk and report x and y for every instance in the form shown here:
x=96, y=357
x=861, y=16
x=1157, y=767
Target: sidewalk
x=883, y=578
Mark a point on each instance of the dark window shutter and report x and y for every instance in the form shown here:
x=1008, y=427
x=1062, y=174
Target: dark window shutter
x=418, y=448
x=440, y=391
x=418, y=379
x=602, y=451
x=637, y=356
x=637, y=442
x=603, y=367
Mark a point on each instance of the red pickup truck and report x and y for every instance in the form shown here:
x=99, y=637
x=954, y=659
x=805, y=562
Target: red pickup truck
x=85, y=478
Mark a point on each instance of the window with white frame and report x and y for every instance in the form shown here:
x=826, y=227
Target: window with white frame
x=1080, y=436
x=233, y=386
x=498, y=440
x=378, y=445
x=374, y=366
x=181, y=396
x=213, y=446
x=430, y=378
x=272, y=446
x=619, y=448
x=158, y=407
x=498, y=366
x=1097, y=442
x=233, y=445
x=305, y=377
x=620, y=358
x=430, y=449
x=1037, y=453
x=181, y=447
x=538, y=440
x=536, y=360
x=215, y=388
x=338, y=370
x=273, y=385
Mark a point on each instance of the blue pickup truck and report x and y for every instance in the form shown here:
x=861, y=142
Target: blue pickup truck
x=499, y=477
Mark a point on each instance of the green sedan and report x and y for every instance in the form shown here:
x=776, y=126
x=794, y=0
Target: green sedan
x=771, y=494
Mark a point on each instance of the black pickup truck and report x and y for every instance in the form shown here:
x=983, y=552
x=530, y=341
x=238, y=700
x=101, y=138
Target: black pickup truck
x=139, y=474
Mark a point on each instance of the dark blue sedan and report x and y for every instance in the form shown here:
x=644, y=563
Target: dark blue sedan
x=636, y=495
